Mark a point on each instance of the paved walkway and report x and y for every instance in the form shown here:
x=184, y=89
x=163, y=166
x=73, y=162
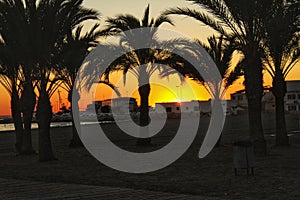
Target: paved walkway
x=25, y=190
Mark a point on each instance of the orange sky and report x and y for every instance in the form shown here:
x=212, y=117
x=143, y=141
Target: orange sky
x=162, y=90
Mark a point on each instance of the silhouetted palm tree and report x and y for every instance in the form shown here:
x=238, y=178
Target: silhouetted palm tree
x=36, y=30
x=73, y=54
x=139, y=62
x=243, y=20
x=9, y=79
x=57, y=22
x=15, y=35
x=282, y=52
x=221, y=51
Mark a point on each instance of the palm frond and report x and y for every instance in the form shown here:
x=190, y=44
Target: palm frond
x=197, y=15
x=145, y=19
x=162, y=19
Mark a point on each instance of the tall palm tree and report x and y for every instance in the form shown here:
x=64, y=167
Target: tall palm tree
x=221, y=51
x=243, y=20
x=282, y=52
x=9, y=76
x=132, y=62
x=14, y=34
x=54, y=24
x=73, y=54
x=28, y=102
x=57, y=20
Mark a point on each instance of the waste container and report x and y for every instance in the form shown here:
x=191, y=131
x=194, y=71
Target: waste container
x=243, y=156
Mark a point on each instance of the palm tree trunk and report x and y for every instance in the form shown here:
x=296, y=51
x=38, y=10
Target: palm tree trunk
x=218, y=144
x=254, y=91
x=75, y=141
x=28, y=104
x=281, y=132
x=144, y=92
x=17, y=119
x=44, y=115
x=279, y=91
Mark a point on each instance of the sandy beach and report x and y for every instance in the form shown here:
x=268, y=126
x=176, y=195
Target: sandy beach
x=276, y=176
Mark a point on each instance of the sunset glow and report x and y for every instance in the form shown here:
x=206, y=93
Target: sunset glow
x=171, y=90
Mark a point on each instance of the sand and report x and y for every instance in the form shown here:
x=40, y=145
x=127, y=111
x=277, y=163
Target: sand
x=277, y=175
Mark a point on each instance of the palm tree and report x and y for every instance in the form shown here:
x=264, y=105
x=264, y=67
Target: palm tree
x=74, y=52
x=49, y=23
x=65, y=17
x=243, y=20
x=9, y=80
x=28, y=102
x=221, y=51
x=281, y=55
x=13, y=23
x=132, y=61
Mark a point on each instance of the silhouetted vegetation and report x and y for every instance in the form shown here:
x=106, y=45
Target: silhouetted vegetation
x=42, y=46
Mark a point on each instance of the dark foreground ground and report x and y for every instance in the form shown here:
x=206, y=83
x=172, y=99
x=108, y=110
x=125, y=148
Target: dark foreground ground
x=277, y=176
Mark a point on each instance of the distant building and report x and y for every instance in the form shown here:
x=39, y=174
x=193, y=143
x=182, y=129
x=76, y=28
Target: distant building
x=292, y=98
x=120, y=105
x=186, y=107
x=239, y=99
x=170, y=107
x=192, y=107
x=268, y=101
x=95, y=106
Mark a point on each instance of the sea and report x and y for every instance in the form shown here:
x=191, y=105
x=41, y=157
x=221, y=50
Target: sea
x=6, y=124
x=10, y=126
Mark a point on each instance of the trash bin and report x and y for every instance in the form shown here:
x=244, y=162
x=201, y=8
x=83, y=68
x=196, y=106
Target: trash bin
x=243, y=156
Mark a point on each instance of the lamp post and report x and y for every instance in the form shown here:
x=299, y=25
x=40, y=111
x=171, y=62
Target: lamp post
x=179, y=95
x=177, y=92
